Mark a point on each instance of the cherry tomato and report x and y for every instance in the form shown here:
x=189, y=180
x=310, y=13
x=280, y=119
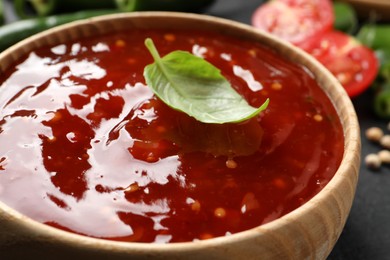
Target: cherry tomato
x=353, y=64
x=294, y=20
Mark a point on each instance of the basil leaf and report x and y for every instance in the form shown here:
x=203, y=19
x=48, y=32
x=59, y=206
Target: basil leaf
x=194, y=86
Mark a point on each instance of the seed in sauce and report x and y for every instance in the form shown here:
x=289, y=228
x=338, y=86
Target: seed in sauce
x=276, y=86
x=195, y=206
x=131, y=188
x=250, y=202
x=205, y=236
x=169, y=37
x=252, y=52
x=220, y=212
x=230, y=163
x=318, y=117
x=120, y=43
x=279, y=183
x=52, y=139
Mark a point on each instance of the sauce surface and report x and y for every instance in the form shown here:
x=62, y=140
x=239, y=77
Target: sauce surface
x=86, y=147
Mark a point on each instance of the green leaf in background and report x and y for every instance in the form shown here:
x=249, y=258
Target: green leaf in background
x=163, y=5
x=1, y=12
x=41, y=8
x=345, y=17
x=194, y=86
x=14, y=32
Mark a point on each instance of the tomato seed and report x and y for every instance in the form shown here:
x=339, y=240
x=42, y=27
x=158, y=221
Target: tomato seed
x=318, y=117
x=120, y=43
x=220, y=212
x=276, y=86
x=195, y=206
x=132, y=187
x=231, y=164
x=205, y=236
x=169, y=37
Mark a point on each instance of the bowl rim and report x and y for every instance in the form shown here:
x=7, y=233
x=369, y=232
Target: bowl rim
x=351, y=146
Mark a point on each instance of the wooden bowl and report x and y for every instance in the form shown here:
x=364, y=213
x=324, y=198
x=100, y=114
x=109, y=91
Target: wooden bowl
x=309, y=232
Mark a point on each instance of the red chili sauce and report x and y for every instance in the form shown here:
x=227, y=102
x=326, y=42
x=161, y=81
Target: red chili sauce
x=86, y=147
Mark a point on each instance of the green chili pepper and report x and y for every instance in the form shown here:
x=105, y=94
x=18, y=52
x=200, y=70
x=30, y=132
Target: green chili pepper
x=383, y=76
x=1, y=12
x=375, y=36
x=383, y=56
x=167, y=5
x=382, y=86
x=345, y=17
x=382, y=101
x=36, y=7
x=31, y=8
x=14, y=32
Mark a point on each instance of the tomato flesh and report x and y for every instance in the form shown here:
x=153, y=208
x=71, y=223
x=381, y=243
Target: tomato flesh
x=353, y=64
x=308, y=25
x=294, y=20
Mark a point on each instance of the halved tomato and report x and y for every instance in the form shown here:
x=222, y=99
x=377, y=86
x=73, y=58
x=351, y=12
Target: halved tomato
x=353, y=64
x=294, y=20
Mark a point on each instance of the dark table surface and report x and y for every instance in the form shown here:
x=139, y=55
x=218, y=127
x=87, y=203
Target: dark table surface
x=367, y=232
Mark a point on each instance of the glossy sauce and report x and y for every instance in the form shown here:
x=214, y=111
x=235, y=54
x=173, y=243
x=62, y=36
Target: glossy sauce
x=86, y=147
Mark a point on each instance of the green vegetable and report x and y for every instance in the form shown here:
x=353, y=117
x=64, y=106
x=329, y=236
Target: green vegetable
x=345, y=17
x=383, y=56
x=1, y=12
x=31, y=8
x=194, y=86
x=37, y=7
x=375, y=36
x=163, y=5
x=382, y=86
x=17, y=31
x=382, y=101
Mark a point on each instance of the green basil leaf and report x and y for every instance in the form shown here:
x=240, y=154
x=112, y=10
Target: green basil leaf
x=194, y=86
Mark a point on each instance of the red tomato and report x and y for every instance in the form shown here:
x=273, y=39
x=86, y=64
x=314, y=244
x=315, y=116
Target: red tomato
x=353, y=64
x=294, y=20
